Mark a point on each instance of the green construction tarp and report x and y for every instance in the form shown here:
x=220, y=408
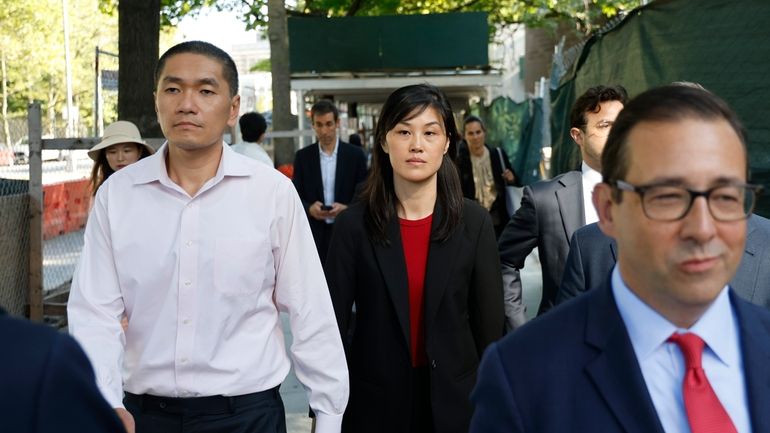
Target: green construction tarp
x=723, y=45
x=388, y=43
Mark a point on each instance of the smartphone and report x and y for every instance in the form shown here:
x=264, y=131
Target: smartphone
x=326, y=207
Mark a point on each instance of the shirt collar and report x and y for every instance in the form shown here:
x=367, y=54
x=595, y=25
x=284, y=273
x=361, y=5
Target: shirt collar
x=589, y=174
x=154, y=168
x=334, y=152
x=648, y=330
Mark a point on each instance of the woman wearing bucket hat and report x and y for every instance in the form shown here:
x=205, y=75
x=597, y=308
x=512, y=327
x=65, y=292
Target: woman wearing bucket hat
x=121, y=145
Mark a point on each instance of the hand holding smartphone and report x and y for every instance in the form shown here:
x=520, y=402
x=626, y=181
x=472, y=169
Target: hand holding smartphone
x=326, y=207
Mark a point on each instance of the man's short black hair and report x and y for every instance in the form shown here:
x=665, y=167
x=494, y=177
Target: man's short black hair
x=589, y=102
x=322, y=107
x=253, y=125
x=229, y=71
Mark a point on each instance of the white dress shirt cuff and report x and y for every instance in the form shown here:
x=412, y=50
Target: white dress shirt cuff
x=115, y=400
x=325, y=423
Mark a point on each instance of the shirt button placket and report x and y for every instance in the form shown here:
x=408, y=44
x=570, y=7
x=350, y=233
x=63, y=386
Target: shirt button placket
x=186, y=299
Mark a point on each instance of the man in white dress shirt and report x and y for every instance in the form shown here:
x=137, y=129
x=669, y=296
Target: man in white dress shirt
x=665, y=345
x=201, y=248
x=253, y=126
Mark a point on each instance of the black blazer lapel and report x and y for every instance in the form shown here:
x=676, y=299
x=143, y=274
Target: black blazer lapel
x=393, y=267
x=570, y=199
x=341, y=171
x=314, y=172
x=615, y=371
x=755, y=334
x=441, y=258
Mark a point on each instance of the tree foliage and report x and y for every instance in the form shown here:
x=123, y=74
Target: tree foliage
x=32, y=45
x=586, y=15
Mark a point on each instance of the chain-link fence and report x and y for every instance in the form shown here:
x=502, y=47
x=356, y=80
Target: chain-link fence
x=14, y=243
x=37, y=265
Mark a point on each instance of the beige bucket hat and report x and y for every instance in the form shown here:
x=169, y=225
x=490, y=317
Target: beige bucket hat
x=121, y=131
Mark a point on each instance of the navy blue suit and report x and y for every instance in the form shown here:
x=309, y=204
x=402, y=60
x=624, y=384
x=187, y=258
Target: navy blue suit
x=574, y=370
x=592, y=255
x=47, y=384
x=351, y=170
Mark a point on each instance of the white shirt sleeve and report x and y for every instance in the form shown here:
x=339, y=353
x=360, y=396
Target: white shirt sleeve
x=301, y=290
x=95, y=304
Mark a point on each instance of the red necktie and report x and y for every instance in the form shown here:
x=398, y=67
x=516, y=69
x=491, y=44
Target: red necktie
x=704, y=411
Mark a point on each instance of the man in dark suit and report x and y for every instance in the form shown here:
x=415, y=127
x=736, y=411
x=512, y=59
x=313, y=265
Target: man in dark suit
x=484, y=172
x=326, y=174
x=47, y=384
x=664, y=345
x=552, y=210
x=592, y=255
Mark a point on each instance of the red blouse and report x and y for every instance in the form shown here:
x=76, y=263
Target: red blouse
x=415, y=237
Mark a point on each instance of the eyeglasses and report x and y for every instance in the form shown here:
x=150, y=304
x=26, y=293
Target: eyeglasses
x=730, y=202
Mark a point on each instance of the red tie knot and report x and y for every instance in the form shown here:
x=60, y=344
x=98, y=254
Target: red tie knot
x=691, y=346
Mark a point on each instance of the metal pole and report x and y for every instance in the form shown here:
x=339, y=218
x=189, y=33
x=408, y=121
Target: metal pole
x=97, y=114
x=35, y=294
x=68, y=75
x=68, y=71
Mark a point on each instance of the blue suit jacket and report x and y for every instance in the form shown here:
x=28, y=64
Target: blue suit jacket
x=592, y=255
x=47, y=384
x=351, y=171
x=574, y=370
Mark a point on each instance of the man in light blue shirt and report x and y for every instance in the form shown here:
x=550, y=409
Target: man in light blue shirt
x=665, y=346
x=326, y=174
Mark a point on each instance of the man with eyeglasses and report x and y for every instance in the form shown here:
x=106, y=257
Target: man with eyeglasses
x=592, y=255
x=551, y=210
x=664, y=345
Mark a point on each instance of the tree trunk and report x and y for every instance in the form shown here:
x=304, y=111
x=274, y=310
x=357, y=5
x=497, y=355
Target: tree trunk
x=138, y=35
x=6, y=127
x=278, y=35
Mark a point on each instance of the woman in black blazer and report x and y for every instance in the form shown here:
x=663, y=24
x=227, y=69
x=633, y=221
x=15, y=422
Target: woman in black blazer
x=420, y=264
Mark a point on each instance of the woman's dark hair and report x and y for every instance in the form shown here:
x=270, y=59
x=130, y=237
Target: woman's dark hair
x=471, y=119
x=379, y=192
x=102, y=169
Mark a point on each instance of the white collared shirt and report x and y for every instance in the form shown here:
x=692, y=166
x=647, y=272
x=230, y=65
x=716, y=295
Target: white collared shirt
x=329, y=174
x=253, y=151
x=662, y=363
x=202, y=280
x=590, y=178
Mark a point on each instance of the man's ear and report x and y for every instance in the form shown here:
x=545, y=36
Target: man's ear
x=604, y=204
x=577, y=136
x=235, y=109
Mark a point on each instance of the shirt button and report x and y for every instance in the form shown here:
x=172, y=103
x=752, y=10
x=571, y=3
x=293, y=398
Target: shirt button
x=187, y=283
x=189, y=243
x=433, y=364
x=186, y=321
x=183, y=360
